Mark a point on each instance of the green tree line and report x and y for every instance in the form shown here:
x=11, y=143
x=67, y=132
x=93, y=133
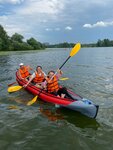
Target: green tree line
x=15, y=42
x=100, y=43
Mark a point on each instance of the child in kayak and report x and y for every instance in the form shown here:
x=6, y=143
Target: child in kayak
x=53, y=86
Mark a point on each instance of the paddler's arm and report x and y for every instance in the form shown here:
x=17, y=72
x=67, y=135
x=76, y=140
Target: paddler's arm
x=29, y=68
x=31, y=78
x=59, y=73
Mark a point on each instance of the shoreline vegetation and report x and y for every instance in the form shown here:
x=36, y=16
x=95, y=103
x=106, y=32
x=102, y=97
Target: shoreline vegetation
x=100, y=43
x=16, y=43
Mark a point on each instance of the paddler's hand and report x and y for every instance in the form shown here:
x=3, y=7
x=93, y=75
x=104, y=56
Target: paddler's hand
x=22, y=78
x=25, y=85
x=59, y=71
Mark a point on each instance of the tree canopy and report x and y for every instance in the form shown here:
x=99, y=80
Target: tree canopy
x=15, y=42
x=17, y=37
x=4, y=39
x=35, y=44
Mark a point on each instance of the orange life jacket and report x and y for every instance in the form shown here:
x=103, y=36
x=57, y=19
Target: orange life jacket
x=39, y=78
x=24, y=72
x=52, y=85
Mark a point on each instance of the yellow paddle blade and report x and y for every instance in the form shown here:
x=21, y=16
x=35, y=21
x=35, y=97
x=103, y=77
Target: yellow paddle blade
x=32, y=101
x=14, y=88
x=75, y=49
x=62, y=79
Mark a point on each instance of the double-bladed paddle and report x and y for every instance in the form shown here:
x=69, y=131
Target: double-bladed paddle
x=18, y=87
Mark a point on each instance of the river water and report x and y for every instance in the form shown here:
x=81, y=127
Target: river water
x=41, y=125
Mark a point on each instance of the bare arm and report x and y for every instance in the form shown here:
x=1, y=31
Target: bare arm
x=59, y=73
x=31, y=78
x=29, y=68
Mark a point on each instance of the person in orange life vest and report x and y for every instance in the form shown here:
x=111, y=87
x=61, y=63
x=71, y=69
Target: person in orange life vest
x=53, y=86
x=37, y=77
x=24, y=71
x=52, y=83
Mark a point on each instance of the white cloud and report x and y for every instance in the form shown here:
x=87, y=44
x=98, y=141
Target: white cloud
x=11, y=1
x=68, y=28
x=41, y=6
x=52, y=29
x=87, y=25
x=11, y=26
x=11, y=29
x=98, y=24
x=3, y=18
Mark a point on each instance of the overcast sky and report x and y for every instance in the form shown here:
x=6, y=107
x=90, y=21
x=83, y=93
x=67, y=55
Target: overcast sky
x=57, y=21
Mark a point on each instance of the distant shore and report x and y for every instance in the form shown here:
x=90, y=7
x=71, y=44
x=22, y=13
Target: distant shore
x=99, y=43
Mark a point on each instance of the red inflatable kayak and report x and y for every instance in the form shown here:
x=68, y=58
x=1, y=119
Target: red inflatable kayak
x=84, y=106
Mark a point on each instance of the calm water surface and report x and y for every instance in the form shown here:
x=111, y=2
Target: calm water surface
x=42, y=126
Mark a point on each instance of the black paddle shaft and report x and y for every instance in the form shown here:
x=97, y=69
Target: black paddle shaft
x=64, y=62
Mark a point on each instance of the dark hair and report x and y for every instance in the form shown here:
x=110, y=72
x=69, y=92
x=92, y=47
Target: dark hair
x=38, y=66
x=51, y=71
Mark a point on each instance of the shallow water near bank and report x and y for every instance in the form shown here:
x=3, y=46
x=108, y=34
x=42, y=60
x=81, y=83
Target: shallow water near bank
x=42, y=125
